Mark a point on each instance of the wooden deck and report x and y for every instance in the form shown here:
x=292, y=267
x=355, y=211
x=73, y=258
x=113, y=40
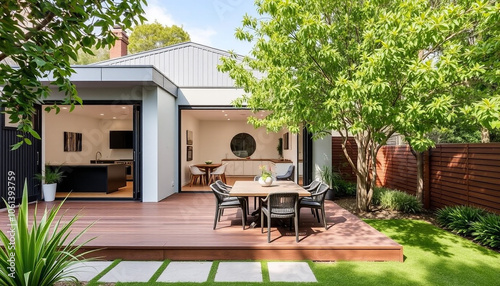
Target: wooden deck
x=180, y=228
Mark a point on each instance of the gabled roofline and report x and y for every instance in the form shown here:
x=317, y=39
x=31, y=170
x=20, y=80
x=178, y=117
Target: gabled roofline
x=166, y=49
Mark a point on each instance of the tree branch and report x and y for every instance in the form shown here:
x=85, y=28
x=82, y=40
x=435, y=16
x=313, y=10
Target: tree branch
x=322, y=71
x=45, y=21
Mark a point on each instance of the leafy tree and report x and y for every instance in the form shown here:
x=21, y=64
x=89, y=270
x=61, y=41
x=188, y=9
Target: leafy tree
x=464, y=133
x=366, y=69
x=97, y=55
x=41, y=37
x=146, y=37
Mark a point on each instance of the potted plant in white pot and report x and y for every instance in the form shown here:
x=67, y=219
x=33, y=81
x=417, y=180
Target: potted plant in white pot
x=50, y=177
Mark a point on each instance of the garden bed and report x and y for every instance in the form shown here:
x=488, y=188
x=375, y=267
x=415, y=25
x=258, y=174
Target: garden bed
x=349, y=203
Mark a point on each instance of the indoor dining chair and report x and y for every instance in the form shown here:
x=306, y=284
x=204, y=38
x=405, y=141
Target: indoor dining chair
x=288, y=176
x=196, y=174
x=219, y=173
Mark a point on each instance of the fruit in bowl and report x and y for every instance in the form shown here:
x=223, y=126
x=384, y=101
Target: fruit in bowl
x=208, y=162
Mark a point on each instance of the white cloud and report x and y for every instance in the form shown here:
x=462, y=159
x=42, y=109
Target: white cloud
x=154, y=11
x=201, y=36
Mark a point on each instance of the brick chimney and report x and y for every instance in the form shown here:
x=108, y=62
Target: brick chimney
x=120, y=47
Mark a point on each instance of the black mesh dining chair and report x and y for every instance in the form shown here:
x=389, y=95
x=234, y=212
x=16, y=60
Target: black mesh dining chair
x=279, y=205
x=316, y=202
x=227, y=188
x=224, y=201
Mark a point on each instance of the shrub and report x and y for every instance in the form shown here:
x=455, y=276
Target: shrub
x=341, y=188
x=396, y=200
x=487, y=230
x=377, y=195
x=444, y=217
x=41, y=255
x=459, y=219
x=345, y=189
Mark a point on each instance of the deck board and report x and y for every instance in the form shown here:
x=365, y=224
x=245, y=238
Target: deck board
x=180, y=227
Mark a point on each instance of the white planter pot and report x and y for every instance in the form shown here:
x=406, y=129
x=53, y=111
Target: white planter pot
x=49, y=192
x=267, y=182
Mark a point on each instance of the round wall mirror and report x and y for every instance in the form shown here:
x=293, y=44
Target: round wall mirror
x=243, y=145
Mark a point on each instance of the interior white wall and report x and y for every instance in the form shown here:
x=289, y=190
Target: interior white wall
x=55, y=126
x=95, y=137
x=106, y=126
x=291, y=153
x=190, y=123
x=216, y=138
x=211, y=141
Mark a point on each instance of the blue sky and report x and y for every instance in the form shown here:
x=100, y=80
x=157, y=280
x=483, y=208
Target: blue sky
x=208, y=22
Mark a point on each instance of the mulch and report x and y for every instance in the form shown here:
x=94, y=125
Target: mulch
x=349, y=203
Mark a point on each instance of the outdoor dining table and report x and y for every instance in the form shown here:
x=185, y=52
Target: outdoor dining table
x=254, y=189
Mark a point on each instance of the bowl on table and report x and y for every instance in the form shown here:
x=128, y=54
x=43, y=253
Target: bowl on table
x=208, y=162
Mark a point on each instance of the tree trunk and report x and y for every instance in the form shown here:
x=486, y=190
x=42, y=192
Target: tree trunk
x=485, y=135
x=363, y=178
x=420, y=176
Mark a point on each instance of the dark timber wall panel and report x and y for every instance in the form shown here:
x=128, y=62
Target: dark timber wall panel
x=458, y=174
x=18, y=165
x=466, y=174
x=397, y=168
x=339, y=161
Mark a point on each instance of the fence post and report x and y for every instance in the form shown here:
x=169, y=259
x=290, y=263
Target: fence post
x=427, y=179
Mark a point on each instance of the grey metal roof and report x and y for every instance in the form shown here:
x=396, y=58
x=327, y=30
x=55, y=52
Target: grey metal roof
x=187, y=64
x=9, y=62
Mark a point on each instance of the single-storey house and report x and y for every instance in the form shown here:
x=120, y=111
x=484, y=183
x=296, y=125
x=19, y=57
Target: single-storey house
x=175, y=107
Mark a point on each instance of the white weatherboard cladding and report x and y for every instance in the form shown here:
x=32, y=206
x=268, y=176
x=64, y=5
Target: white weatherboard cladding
x=322, y=154
x=208, y=96
x=187, y=64
x=150, y=147
x=159, y=155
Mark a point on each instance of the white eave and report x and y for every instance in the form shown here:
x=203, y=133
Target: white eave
x=120, y=76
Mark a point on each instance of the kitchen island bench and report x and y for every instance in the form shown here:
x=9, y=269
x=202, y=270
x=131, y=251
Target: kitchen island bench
x=92, y=178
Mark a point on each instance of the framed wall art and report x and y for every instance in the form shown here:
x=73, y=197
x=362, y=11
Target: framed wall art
x=189, y=137
x=72, y=142
x=189, y=153
x=286, y=145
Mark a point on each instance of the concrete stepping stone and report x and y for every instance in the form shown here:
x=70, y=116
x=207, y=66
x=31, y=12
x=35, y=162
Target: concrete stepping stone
x=239, y=272
x=290, y=272
x=86, y=271
x=132, y=271
x=186, y=271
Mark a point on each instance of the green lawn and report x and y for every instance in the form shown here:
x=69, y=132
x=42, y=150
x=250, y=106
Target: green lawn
x=432, y=257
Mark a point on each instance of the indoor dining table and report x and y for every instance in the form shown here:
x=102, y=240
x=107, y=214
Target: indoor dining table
x=208, y=168
x=254, y=189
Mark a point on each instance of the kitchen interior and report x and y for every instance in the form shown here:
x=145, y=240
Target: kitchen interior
x=93, y=146
x=210, y=135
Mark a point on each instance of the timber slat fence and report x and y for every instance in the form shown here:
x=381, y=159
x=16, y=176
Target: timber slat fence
x=454, y=174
